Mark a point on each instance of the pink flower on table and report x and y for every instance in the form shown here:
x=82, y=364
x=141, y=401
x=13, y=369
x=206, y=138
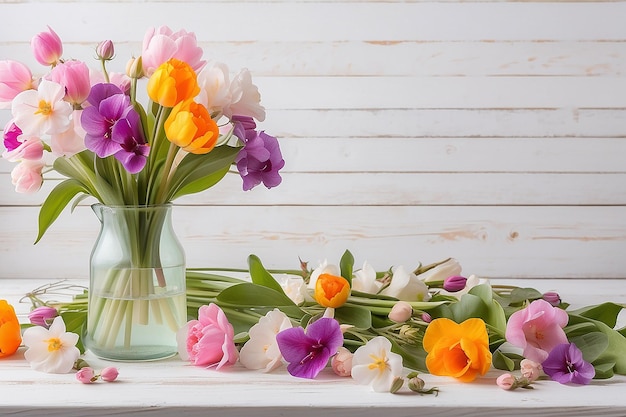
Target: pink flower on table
x=15, y=77
x=537, y=329
x=26, y=176
x=161, y=44
x=109, y=374
x=43, y=316
x=47, y=47
x=42, y=111
x=208, y=341
x=74, y=76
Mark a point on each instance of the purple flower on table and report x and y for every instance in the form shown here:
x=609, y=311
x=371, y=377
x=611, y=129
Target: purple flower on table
x=108, y=105
x=128, y=133
x=565, y=364
x=308, y=353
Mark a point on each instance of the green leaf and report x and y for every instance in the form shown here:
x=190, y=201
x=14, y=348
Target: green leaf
x=616, y=343
x=468, y=306
x=57, y=200
x=357, y=316
x=604, y=370
x=346, y=264
x=260, y=276
x=592, y=345
x=519, y=295
x=248, y=294
x=500, y=360
x=75, y=322
x=606, y=313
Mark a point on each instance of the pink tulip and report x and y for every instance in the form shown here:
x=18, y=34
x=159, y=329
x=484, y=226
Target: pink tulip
x=47, y=47
x=537, y=329
x=506, y=381
x=105, y=50
x=109, y=374
x=15, y=77
x=43, y=316
x=31, y=149
x=74, y=76
x=26, y=176
x=208, y=341
x=85, y=375
x=161, y=44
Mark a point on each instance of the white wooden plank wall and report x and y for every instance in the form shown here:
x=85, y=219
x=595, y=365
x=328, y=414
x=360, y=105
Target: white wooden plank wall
x=494, y=132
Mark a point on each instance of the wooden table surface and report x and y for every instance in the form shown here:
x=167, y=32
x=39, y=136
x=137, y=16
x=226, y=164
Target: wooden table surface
x=175, y=388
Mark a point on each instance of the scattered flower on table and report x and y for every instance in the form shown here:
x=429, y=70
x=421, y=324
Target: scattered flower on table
x=374, y=364
x=509, y=382
x=454, y=283
x=530, y=369
x=406, y=286
x=10, y=333
x=308, y=352
x=400, y=312
x=331, y=290
x=261, y=351
x=43, y=316
x=87, y=374
x=51, y=350
x=565, y=364
x=342, y=362
x=365, y=280
x=208, y=341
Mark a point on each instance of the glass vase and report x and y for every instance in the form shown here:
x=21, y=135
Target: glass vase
x=137, y=299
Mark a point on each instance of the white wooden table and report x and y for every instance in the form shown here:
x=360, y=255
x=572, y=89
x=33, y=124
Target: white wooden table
x=175, y=388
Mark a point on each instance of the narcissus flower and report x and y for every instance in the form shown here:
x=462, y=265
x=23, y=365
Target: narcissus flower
x=457, y=350
x=374, y=364
x=51, y=350
x=42, y=111
x=332, y=290
x=10, y=334
x=173, y=82
x=191, y=127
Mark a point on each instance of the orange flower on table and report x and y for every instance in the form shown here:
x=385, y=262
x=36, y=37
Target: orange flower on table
x=457, y=350
x=172, y=82
x=191, y=127
x=331, y=290
x=10, y=332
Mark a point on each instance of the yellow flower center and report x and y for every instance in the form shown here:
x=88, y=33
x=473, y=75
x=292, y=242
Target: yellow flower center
x=45, y=108
x=54, y=344
x=379, y=362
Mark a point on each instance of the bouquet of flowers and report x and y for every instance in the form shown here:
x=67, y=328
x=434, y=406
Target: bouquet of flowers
x=89, y=126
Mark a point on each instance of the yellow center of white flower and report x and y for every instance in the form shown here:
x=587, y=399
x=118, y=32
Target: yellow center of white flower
x=54, y=344
x=378, y=362
x=45, y=108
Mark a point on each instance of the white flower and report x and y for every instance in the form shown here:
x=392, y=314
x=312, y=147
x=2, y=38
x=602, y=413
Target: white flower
x=449, y=268
x=364, y=280
x=293, y=286
x=406, y=286
x=245, y=97
x=70, y=142
x=214, y=87
x=323, y=268
x=261, y=351
x=42, y=111
x=51, y=350
x=374, y=364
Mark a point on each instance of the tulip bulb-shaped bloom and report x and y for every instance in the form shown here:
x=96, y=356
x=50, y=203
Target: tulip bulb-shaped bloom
x=454, y=283
x=190, y=127
x=74, y=77
x=173, y=82
x=401, y=312
x=105, y=50
x=47, y=47
x=27, y=177
x=15, y=77
x=331, y=290
x=10, y=333
x=161, y=44
x=43, y=316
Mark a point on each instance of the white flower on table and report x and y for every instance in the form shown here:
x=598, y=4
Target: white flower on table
x=406, y=286
x=364, y=280
x=374, y=364
x=293, y=286
x=261, y=351
x=51, y=350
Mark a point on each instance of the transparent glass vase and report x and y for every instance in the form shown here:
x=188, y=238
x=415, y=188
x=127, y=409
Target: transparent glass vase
x=137, y=298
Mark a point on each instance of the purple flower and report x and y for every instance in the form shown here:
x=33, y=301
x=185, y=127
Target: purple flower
x=565, y=364
x=309, y=353
x=11, y=133
x=552, y=297
x=133, y=150
x=260, y=160
x=454, y=283
x=43, y=316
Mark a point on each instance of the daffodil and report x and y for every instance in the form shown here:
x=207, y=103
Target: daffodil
x=51, y=350
x=374, y=364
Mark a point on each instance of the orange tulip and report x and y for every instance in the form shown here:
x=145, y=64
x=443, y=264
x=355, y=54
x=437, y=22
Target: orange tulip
x=457, y=350
x=10, y=333
x=190, y=127
x=331, y=290
x=172, y=82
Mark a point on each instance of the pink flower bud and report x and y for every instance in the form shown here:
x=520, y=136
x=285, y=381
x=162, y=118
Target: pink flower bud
x=74, y=76
x=342, y=362
x=506, y=381
x=552, y=297
x=454, y=283
x=43, y=316
x=426, y=317
x=531, y=370
x=26, y=176
x=105, y=50
x=400, y=312
x=85, y=375
x=109, y=374
x=47, y=47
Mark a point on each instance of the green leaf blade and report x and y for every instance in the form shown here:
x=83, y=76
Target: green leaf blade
x=57, y=200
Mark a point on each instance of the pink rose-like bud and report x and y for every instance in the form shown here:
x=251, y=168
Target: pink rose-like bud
x=15, y=77
x=552, y=297
x=47, y=47
x=401, y=312
x=506, y=381
x=43, y=316
x=85, y=375
x=26, y=176
x=105, y=50
x=454, y=283
x=74, y=76
x=531, y=370
x=342, y=362
x=109, y=374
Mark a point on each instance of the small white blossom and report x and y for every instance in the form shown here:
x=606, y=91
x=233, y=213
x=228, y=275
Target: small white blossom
x=261, y=351
x=51, y=350
x=406, y=286
x=374, y=364
x=364, y=280
x=293, y=286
